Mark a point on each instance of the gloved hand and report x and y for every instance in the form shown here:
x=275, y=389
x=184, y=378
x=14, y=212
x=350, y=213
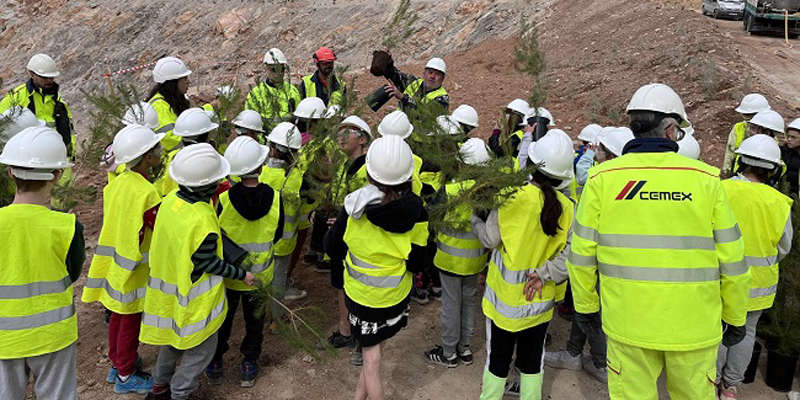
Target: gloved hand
x=590, y=324
x=732, y=335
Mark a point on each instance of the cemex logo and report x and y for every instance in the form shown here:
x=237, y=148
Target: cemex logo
x=634, y=188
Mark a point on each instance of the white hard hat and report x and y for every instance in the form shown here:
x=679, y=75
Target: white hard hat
x=589, y=133
x=225, y=91
x=437, y=64
x=615, y=140
x=519, y=106
x=752, y=104
x=794, y=125
x=396, y=123
x=553, y=155
x=769, y=119
x=245, y=155
x=286, y=134
x=688, y=147
x=449, y=125
x=143, y=114
x=310, y=108
x=390, y=161
x=198, y=165
x=332, y=111
x=43, y=65
x=170, y=68
x=249, y=119
x=474, y=151
x=659, y=98
x=193, y=122
x=760, y=151
x=466, y=115
x=132, y=141
x=18, y=118
x=275, y=56
x=357, y=123
x=39, y=148
x=541, y=112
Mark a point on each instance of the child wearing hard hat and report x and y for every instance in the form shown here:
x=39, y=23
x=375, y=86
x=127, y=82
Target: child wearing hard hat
x=380, y=234
x=168, y=96
x=459, y=258
x=119, y=271
x=790, y=153
x=751, y=105
x=39, y=328
x=764, y=217
x=527, y=231
x=185, y=304
x=251, y=214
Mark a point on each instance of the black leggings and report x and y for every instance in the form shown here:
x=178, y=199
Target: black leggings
x=530, y=349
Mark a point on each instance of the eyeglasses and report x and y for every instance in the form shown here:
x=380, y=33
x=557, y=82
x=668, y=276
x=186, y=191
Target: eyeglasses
x=679, y=132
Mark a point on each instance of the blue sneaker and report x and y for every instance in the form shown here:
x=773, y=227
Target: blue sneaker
x=139, y=382
x=214, y=373
x=112, y=376
x=249, y=373
x=112, y=372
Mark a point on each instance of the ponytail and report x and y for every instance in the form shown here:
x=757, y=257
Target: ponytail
x=552, y=208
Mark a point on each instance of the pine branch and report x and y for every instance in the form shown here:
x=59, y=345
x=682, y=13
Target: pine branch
x=400, y=28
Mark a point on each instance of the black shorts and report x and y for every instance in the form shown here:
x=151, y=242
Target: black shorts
x=371, y=326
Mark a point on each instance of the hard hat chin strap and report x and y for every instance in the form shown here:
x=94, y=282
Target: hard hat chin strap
x=32, y=174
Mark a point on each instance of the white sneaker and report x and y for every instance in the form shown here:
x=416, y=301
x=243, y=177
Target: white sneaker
x=293, y=293
x=562, y=359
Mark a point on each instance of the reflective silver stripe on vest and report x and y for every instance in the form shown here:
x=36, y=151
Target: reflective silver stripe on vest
x=585, y=261
x=288, y=235
x=51, y=124
x=727, y=235
x=126, y=298
x=124, y=262
x=659, y=274
x=360, y=263
x=734, y=268
x=656, y=242
x=37, y=320
x=256, y=247
x=512, y=277
x=260, y=267
x=385, y=282
x=305, y=217
x=761, y=261
x=462, y=253
x=34, y=289
x=517, y=312
x=585, y=232
x=762, y=292
x=579, y=190
x=463, y=235
x=195, y=292
x=289, y=219
x=169, y=323
x=166, y=128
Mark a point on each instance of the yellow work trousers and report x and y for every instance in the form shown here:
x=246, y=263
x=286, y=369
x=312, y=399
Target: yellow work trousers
x=633, y=372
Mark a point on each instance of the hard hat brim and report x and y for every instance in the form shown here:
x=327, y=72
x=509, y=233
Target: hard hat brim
x=144, y=150
x=48, y=75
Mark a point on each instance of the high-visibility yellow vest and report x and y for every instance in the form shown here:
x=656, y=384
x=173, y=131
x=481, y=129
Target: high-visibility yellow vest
x=333, y=98
x=272, y=102
x=375, y=267
x=289, y=189
x=347, y=184
x=416, y=182
x=119, y=270
x=414, y=91
x=166, y=121
x=180, y=312
x=459, y=252
x=44, y=104
x=432, y=179
x=36, y=306
x=254, y=236
x=164, y=183
x=524, y=248
x=762, y=213
x=659, y=230
x=741, y=132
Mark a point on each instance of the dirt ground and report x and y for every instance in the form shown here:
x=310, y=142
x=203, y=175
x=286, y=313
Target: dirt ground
x=598, y=53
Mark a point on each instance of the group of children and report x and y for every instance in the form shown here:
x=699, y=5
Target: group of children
x=165, y=269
